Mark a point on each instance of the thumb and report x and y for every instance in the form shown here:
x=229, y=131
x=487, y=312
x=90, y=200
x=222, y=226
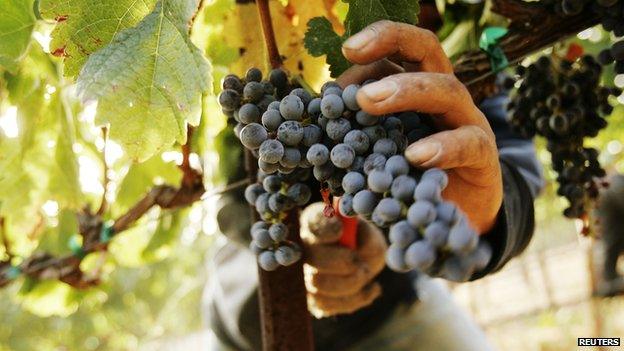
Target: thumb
x=464, y=147
x=318, y=229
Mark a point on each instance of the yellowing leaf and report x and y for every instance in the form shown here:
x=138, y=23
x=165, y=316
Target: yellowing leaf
x=85, y=26
x=290, y=27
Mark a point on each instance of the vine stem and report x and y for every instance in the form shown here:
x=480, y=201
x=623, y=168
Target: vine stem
x=106, y=180
x=5, y=241
x=189, y=175
x=269, y=34
x=284, y=318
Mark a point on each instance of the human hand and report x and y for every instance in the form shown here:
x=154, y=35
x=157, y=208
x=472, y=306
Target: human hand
x=339, y=280
x=416, y=75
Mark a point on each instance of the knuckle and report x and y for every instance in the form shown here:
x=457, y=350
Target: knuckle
x=430, y=37
x=486, y=139
x=452, y=83
x=457, y=88
x=485, y=144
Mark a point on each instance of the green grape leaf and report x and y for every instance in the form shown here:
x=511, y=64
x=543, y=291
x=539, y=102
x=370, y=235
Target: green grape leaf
x=83, y=26
x=149, y=81
x=321, y=39
x=127, y=247
x=54, y=239
x=228, y=145
x=169, y=227
x=64, y=185
x=39, y=163
x=364, y=12
x=140, y=178
x=16, y=26
x=49, y=298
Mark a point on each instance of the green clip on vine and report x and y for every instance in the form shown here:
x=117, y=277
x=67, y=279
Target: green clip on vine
x=489, y=42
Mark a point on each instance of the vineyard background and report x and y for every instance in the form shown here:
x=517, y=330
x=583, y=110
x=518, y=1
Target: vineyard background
x=153, y=275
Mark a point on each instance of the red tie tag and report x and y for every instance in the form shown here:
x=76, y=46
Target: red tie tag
x=349, y=228
x=574, y=52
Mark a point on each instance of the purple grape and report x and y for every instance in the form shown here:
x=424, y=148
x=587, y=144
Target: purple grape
x=332, y=106
x=397, y=165
x=267, y=261
x=402, y=188
x=395, y=259
x=437, y=233
x=364, y=202
x=462, y=238
x=278, y=232
x=388, y=209
x=345, y=206
x=428, y=190
x=420, y=255
x=252, y=192
x=402, y=234
x=421, y=213
x=253, y=135
x=271, y=151
x=353, y=182
x=342, y=156
x=379, y=181
x=318, y=154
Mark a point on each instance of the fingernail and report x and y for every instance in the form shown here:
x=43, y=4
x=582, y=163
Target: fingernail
x=379, y=91
x=360, y=40
x=422, y=152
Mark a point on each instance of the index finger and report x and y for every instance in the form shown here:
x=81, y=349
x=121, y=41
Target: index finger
x=408, y=43
x=356, y=74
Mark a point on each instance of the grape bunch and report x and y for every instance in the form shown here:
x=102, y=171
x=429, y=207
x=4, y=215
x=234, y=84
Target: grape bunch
x=356, y=141
x=426, y=233
x=355, y=156
x=273, y=196
x=615, y=54
x=565, y=103
x=611, y=13
x=277, y=132
x=612, y=18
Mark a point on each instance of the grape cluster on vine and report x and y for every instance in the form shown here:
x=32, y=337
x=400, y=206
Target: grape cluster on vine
x=273, y=198
x=611, y=13
x=564, y=102
x=353, y=155
x=612, y=18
